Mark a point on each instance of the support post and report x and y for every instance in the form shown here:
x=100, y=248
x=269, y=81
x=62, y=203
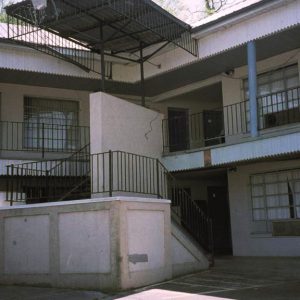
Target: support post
x=110, y=173
x=142, y=75
x=157, y=179
x=43, y=140
x=102, y=59
x=252, y=82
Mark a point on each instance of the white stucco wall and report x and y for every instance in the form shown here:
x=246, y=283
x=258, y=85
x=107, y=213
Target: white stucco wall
x=245, y=241
x=23, y=58
x=117, y=124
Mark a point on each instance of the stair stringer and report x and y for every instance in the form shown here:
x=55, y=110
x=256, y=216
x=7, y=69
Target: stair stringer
x=186, y=256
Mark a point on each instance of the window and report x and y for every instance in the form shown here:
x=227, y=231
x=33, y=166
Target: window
x=278, y=97
x=276, y=195
x=50, y=124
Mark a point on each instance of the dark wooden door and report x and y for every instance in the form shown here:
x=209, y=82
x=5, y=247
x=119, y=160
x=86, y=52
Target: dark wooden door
x=178, y=129
x=218, y=209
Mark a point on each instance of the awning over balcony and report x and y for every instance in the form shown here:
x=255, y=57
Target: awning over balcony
x=74, y=30
x=115, y=26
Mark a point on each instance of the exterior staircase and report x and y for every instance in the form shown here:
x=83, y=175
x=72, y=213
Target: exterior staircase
x=112, y=173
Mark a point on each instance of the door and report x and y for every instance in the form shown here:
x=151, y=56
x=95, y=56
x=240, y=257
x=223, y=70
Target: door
x=178, y=129
x=213, y=127
x=218, y=209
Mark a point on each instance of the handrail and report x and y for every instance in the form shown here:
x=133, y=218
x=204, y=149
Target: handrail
x=188, y=213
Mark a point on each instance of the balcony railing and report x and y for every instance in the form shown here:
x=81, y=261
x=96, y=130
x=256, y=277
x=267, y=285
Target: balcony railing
x=42, y=137
x=214, y=127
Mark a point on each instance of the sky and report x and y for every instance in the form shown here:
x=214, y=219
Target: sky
x=189, y=11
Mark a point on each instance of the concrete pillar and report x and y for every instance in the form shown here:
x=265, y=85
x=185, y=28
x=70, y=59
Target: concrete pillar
x=252, y=82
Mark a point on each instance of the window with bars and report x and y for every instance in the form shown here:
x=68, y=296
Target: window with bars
x=50, y=124
x=275, y=195
x=278, y=97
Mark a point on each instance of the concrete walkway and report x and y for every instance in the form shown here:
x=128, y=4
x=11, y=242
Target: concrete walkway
x=231, y=278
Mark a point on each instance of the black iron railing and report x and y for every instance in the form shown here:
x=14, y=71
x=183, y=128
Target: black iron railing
x=123, y=172
x=50, y=180
x=279, y=108
x=185, y=210
x=213, y=127
x=42, y=137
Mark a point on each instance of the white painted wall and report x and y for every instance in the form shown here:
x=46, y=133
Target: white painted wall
x=117, y=124
x=245, y=241
x=23, y=58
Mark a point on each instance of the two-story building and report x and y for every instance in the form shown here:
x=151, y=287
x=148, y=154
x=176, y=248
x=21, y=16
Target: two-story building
x=230, y=105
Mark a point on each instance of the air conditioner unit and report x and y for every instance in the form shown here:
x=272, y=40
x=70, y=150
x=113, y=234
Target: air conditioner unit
x=271, y=120
x=286, y=228
x=282, y=117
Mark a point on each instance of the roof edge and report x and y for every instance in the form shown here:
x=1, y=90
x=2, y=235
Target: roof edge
x=236, y=16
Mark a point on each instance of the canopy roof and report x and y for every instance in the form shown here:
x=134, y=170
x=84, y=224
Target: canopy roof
x=118, y=26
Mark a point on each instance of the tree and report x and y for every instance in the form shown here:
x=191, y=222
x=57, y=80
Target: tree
x=192, y=10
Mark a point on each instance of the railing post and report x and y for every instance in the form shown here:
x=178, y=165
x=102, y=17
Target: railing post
x=11, y=181
x=43, y=140
x=157, y=179
x=211, y=241
x=110, y=170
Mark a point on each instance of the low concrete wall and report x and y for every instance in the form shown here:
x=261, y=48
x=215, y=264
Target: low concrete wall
x=108, y=244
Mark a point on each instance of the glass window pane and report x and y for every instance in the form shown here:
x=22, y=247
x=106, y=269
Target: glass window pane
x=259, y=214
x=258, y=202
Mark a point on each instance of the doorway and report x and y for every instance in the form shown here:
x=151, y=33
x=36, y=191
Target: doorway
x=178, y=123
x=218, y=210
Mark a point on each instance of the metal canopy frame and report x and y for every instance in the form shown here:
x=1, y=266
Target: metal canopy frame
x=74, y=30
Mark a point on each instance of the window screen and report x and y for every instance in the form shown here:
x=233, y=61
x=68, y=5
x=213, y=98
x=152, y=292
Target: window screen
x=50, y=124
x=276, y=195
x=278, y=96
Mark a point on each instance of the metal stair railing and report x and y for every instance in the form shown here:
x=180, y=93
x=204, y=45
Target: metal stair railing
x=185, y=210
x=48, y=180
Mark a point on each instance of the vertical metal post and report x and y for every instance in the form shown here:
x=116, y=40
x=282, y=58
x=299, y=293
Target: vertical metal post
x=157, y=179
x=252, y=82
x=11, y=187
x=110, y=170
x=142, y=75
x=8, y=26
x=43, y=140
x=102, y=58
x=211, y=241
